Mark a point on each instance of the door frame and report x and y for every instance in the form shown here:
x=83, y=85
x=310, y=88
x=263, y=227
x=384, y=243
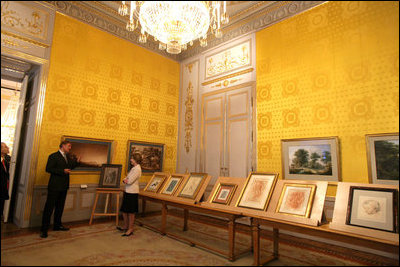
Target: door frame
x=253, y=110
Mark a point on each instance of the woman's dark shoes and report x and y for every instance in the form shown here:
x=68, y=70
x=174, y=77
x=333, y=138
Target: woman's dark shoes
x=121, y=229
x=60, y=228
x=43, y=234
x=131, y=233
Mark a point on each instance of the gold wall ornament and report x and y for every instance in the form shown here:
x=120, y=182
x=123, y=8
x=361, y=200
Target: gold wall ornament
x=233, y=58
x=189, y=117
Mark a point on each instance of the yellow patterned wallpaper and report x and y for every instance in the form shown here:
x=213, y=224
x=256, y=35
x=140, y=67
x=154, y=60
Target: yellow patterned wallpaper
x=103, y=87
x=331, y=71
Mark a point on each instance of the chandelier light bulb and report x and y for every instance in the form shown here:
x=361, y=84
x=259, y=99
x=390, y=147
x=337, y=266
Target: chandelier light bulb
x=123, y=9
x=218, y=33
x=203, y=42
x=191, y=43
x=225, y=18
x=131, y=25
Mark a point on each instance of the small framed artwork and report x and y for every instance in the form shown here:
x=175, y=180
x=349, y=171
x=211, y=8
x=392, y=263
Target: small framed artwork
x=172, y=184
x=311, y=159
x=110, y=175
x=296, y=199
x=383, y=158
x=155, y=182
x=93, y=153
x=192, y=185
x=374, y=208
x=257, y=191
x=152, y=156
x=224, y=193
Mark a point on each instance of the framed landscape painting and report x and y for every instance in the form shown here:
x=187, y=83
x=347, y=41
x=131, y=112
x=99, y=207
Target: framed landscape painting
x=110, y=175
x=192, y=185
x=93, y=153
x=155, y=183
x=152, y=156
x=257, y=191
x=172, y=184
x=296, y=199
x=224, y=193
x=374, y=208
x=311, y=159
x=383, y=158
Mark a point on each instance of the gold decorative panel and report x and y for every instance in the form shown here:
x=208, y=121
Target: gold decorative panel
x=330, y=71
x=230, y=59
x=97, y=91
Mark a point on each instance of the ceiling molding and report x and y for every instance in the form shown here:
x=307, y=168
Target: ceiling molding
x=255, y=16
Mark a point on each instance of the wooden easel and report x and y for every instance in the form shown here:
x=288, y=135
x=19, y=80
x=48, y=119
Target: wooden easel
x=109, y=192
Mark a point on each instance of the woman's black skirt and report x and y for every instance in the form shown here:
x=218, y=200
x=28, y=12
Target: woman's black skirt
x=130, y=203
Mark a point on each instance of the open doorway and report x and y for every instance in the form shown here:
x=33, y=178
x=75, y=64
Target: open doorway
x=18, y=96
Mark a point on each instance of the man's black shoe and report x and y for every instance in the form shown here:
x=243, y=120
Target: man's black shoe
x=61, y=228
x=43, y=234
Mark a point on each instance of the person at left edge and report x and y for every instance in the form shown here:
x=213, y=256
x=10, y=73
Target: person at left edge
x=59, y=165
x=5, y=175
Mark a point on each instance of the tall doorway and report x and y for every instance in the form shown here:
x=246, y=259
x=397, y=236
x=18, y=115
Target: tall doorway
x=227, y=132
x=18, y=94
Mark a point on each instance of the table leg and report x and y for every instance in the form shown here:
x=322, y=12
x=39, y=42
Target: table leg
x=255, y=229
x=276, y=242
x=94, y=208
x=185, y=219
x=164, y=218
x=143, y=206
x=232, y=231
x=117, y=209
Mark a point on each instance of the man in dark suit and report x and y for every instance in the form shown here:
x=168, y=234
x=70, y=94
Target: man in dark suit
x=5, y=175
x=59, y=165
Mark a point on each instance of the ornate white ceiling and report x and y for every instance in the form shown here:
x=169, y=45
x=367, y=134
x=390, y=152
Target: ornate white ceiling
x=245, y=17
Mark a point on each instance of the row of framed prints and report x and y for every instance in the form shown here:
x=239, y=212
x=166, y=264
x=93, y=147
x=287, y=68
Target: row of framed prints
x=319, y=158
x=366, y=209
x=185, y=187
x=94, y=153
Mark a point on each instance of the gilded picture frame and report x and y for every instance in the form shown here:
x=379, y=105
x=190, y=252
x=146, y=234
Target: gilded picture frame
x=311, y=159
x=383, y=158
x=224, y=193
x=192, y=185
x=156, y=182
x=257, y=191
x=373, y=208
x=296, y=199
x=152, y=156
x=172, y=184
x=110, y=175
x=93, y=153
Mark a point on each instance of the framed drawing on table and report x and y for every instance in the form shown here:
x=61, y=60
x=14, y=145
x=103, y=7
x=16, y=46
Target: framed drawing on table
x=192, y=185
x=257, y=190
x=383, y=158
x=374, y=208
x=367, y=209
x=172, y=185
x=224, y=193
x=296, y=199
x=311, y=159
x=110, y=175
x=155, y=183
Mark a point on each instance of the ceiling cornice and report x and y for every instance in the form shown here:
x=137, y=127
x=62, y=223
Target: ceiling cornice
x=255, y=17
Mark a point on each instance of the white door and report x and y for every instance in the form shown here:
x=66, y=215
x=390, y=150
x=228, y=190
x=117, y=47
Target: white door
x=14, y=153
x=226, y=135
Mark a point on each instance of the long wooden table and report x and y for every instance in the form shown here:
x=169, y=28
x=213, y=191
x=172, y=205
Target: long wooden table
x=320, y=231
x=229, y=215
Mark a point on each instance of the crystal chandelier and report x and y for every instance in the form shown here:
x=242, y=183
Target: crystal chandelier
x=175, y=24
